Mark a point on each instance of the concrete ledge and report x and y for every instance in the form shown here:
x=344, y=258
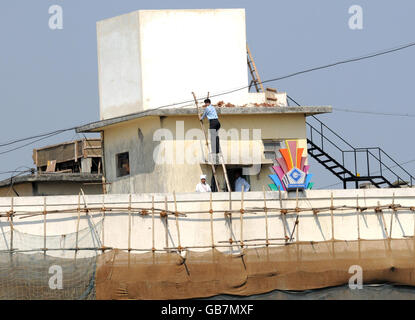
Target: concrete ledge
x=54, y=177
x=250, y=109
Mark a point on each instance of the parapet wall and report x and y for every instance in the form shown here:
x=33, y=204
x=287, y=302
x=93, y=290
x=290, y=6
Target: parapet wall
x=192, y=221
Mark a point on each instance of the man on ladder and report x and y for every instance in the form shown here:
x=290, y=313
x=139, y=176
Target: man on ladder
x=214, y=126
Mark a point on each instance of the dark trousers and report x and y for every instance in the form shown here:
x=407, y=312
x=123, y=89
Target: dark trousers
x=214, y=126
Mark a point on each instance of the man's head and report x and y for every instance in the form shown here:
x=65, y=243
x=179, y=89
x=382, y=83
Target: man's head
x=203, y=178
x=237, y=174
x=207, y=102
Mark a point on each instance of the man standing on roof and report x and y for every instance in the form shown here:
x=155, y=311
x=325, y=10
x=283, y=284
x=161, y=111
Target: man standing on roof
x=203, y=186
x=214, y=125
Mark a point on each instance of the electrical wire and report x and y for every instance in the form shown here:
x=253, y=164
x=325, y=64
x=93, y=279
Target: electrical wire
x=376, y=113
x=29, y=143
x=368, y=56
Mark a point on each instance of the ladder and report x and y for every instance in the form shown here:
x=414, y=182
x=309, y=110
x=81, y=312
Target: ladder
x=256, y=81
x=212, y=164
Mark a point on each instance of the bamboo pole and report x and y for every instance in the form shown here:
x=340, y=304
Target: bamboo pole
x=230, y=218
x=129, y=222
x=392, y=215
x=358, y=217
x=383, y=221
x=284, y=221
x=152, y=220
x=266, y=216
x=211, y=221
x=166, y=223
x=242, y=217
x=11, y=223
x=254, y=240
x=103, y=221
x=177, y=221
x=332, y=225
x=77, y=223
x=248, y=210
x=332, y=216
x=44, y=224
x=298, y=215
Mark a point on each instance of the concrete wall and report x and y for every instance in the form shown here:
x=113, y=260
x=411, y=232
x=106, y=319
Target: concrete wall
x=194, y=228
x=179, y=175
x=150, y=58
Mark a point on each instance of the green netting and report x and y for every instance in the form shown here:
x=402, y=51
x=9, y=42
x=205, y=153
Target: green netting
x=26, y=271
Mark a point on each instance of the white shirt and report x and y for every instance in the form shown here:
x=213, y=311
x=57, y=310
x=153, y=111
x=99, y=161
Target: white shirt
x=203, y=187
x=241, y=182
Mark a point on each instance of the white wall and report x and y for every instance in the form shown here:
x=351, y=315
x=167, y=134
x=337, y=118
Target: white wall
x=151, y=58
x=195, y=228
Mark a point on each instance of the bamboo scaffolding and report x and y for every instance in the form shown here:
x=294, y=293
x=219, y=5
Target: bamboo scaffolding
x=169, y=249
x=250, y=210
x=228, y=213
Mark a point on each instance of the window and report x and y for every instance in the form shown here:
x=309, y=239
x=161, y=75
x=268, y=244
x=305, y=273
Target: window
x=271, y=148
x=123, y=164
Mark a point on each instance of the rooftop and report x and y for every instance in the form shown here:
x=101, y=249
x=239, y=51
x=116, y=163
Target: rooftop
x=224, y=110
x=53, y=177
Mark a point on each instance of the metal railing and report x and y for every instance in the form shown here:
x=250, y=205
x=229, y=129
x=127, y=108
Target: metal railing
x=372, y=162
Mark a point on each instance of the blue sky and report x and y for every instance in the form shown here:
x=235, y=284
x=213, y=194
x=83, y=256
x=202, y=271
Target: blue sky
x=48, y=79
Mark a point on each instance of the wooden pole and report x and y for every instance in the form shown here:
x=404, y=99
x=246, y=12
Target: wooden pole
x=392, y=214
x=242, y=217
x=77, y=223
x=103, y=221
x=230, y=219
x=11, y=224
x=383, y=221
x=152, y=220
x=44, y=224
x=298, y=215
x=177, y=221
x=211, y=221
x=332, y=216
x=166, y=223
x=358, y=217
x=129, y=222
x=284, y=222
x=266, y=216
x=206, y=141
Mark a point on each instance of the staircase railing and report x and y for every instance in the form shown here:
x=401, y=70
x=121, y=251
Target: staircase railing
x=364, y=163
